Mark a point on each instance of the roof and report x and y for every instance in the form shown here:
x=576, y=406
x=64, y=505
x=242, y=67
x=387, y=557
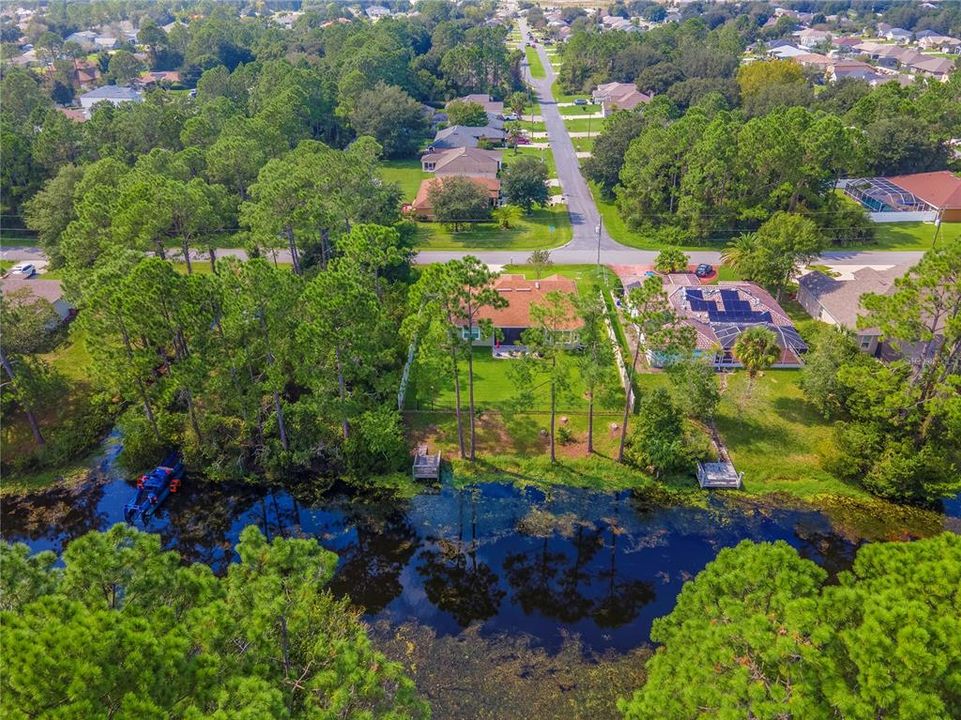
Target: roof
x=111, y=92
x=422, y=200
x=50, y=290
x=719, y=313
x=464, y=136
x=492, y=106
x=934, y=65
x=625, y=96
x=842, y=298
x=521, y=293
x=940, y=189
x=464, y=161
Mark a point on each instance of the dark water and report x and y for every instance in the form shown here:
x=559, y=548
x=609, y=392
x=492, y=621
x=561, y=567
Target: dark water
x=542, y=564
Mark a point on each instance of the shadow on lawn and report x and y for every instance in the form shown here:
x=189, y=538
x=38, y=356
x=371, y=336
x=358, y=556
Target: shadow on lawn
x=797, y=410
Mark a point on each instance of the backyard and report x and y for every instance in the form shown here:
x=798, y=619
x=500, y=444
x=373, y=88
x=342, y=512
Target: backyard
x=406, y=173
x=544, y=154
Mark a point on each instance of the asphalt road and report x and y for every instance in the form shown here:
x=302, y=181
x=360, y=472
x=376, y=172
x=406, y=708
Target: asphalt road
x=580, y=203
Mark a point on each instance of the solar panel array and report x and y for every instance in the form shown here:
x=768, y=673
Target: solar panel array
x=731, y=310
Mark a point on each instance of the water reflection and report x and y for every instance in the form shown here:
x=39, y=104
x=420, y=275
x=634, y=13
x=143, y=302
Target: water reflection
x=492, y=557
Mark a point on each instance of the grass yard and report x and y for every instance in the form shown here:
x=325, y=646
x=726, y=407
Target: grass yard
x=583, y=144
x=560, y=96
x=589, y=278
x=569, y=111
x=534, y=61
x=580, y=124
x=543, y=228
x=536, y=126
x=406, y=173
x=544, y=154
x=6, y=265
x=17, y=237
x=909, y=236
x=776, y=437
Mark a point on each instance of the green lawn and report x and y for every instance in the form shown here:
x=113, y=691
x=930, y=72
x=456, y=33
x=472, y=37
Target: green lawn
x=543, y=228
x=576, y=110
x=589, y=278
x=909, y=236
x=583, y=144
x=776, y=437
x=544, y=154
x=534, y=61
x=536, y=126
x=6, y=265
x=561, y=96
x=17, y=237
x=406, y=173
x=592, y=125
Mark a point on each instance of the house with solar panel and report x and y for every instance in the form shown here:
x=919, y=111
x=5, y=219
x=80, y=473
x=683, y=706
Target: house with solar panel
x=719, y=313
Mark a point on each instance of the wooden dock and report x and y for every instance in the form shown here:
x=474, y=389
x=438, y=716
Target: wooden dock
x=718, y=475
x=426, y=466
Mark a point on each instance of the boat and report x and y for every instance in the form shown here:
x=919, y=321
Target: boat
x=153, y=488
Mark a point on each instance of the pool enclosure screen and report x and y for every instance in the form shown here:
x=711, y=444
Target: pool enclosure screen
x=879, y=194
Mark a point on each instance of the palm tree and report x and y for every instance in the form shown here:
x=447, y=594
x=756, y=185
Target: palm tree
x=757, y=349
x=738, y=255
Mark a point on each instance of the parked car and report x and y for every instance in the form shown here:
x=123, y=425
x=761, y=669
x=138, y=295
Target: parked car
x=580, y=101
x=523, y=140
x=23, y=269
x=510, y=117
x=704, y=270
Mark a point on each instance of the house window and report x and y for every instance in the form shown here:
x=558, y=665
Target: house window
x=865, y=343
x=472, y=334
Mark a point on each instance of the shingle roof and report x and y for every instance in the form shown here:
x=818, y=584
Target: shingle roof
x=521, y=294
x=842, y=298
x=940, y=189
x=50, y=290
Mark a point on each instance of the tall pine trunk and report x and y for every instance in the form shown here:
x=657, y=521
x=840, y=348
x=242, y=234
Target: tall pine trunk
x=590, y=424
x=470, y=385
x=553, y=405
x=212, y=254
x=342, y=389
x=186, y=247
x=281, y=425
x=292, y=245
x=27, y=411
x=630, y=394
x=457, y=408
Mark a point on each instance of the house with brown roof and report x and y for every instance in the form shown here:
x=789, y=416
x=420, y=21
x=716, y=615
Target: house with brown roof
x=618, y=96
x=29, y=290
x=422, y=208
x=490, y=105
x=837, y=300
x=511, y=321
x=720, y=313
x=469, y=161
x=939, y=190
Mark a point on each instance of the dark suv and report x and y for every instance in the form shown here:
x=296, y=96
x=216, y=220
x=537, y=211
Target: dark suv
x=704, y=270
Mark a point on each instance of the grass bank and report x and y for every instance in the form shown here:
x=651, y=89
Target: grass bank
x=534, y=62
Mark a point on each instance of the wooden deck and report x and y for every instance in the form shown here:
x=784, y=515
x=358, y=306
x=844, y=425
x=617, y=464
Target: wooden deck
x=718, y=475
x=426, y=466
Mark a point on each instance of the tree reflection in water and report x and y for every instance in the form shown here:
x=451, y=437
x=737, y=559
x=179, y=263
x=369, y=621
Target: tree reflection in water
x=455, y=580
x=565, y=586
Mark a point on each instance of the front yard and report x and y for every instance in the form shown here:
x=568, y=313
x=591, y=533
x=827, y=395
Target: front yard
x=909, y=236
x=543, y=228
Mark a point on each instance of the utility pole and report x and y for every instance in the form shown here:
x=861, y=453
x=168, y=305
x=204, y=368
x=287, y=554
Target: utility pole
x=937, y=227
x=600, y=223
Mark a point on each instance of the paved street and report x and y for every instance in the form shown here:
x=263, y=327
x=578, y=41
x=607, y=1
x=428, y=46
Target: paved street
x=580, y=203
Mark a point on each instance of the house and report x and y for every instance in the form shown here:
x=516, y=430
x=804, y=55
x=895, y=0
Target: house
x=73, y=114
x=934, y=67
x=618, y=96
x=939, y=191
x=105, y=42
x=814, y=60
x=469, y=161
x=837, y=300
x=422, y=208
x=113, y=94
x=87, y=39
x=85, y=73
x=940, y=43
x=464, y=136
x=49, y=290
x=491, y=106
x=376, y=12
x=786, y=52
x=899, y=35
x=810, y=37
x=720, y=313
x=511, y=321
x=161, y=78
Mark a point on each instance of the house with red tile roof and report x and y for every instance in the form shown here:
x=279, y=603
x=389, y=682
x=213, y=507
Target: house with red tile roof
x=511, y=321
x=939, y=190
x=422, y=208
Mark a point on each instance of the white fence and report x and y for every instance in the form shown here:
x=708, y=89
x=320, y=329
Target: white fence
x=899, y=217
x=619, y=357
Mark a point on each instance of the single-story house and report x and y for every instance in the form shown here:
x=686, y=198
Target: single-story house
x=87, y=39
x=162, y=78
x=114, y=94
x=837, y=301
x=940, y=43
x=899, y=35
x=618, y=96
x=811, y=37
x=465, y=136
x=491, y=106
x=422, y=208
x=74, y=114
x=939, y=190
x=935, y=67
x=719, y=313
x=510, y=322
x=49, y=290
x=786, y=52
x=85, y=73
x=462, y=161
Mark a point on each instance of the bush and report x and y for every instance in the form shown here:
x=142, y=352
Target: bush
x=564, y=435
